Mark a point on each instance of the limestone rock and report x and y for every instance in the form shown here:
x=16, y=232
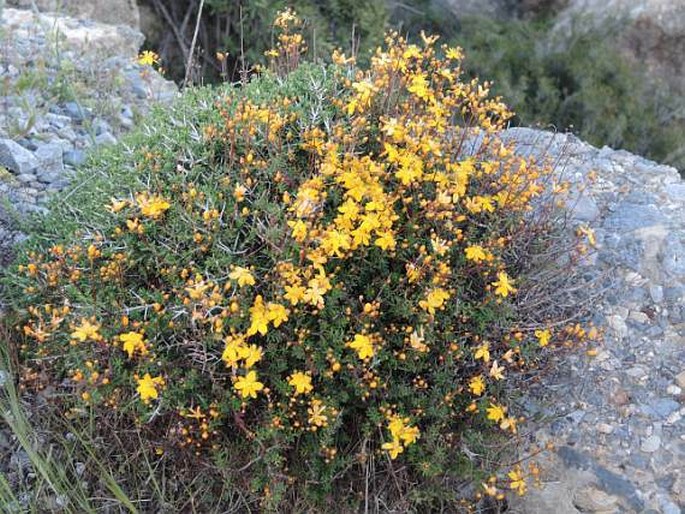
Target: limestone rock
x=595, y=500
x=115, y=12
x=680, y=379
x=16, y=158
x=650, y=444
x=88, y=37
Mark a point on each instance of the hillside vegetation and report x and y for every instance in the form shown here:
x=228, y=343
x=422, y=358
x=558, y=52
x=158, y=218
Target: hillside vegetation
x=322, y=288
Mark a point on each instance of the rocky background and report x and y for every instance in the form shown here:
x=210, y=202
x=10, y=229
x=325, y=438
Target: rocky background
x=66, y=85
x=69, y=84
x=617, y=420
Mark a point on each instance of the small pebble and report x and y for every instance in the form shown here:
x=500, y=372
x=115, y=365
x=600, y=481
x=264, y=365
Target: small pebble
x=651, y=444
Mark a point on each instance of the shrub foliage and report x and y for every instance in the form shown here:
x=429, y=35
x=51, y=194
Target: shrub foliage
x=320, y=271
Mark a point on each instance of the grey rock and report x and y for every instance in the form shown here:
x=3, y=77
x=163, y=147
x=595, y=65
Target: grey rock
x=20, y=461
x=675, y=293
x=592, y=499
x=661, y=408
x=677, y=315
x=618, y=325
x=650, y=444
x=74, y=157
x=575, y=459
x=106, y=138
x=58, y=121
x=16, y=158
x=26, y=178
x=140, y=90
x=52, y=165
x=75, y=111
x=576, y=416
x=674, y=256
x=604, y=428
x=676, y=191
x=631, y=216
x=668, y=506
x=101, y=126
x=584, y=208
x=680, y=379
x=656, y=293
x=617, y=485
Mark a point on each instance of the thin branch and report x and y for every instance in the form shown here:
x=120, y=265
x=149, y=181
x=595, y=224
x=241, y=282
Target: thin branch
x=177, y=34
x=189, y=63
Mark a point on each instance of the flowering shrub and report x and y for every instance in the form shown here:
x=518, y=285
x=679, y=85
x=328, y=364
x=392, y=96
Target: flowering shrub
x=325, y=272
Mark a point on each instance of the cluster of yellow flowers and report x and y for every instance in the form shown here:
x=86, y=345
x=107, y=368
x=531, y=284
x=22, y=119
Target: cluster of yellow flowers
x=402, y=435
x=290, y=44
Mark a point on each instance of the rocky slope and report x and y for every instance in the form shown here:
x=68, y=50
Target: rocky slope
x=618, y=420
x=66, y=85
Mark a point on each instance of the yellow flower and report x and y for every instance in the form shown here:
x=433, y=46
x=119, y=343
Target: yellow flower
x=409, y=435
x=479, y=204
x=503, y=285
x=543, y=337
x=294, y=294
x=434, y=300
x=251, y=354
x=317, y=287
x=133, y=341
x=242, y=276
x=416, y=341
x=333, y=242
x=232, y=352
x=86, y=330
x=152, y=206
x=508, y=424
x=248, y=386
x=197, y=291
x=419, y=86
x=117, y=205
x=362, y=345
x=454, y=54
x=277, y=314
x=483, y=352
x=588, y=233
x=362, y=99
x=299, y=228
x=134, y=226
x=394, y=448
x=440, y=246
x=148, y=58
x=477, y=385
x=316, y=413
x=239, y=192
x=386, y=241
x=93, y=252
x=475, y=253
x=259, y=321
x=518, y=483
x=147, y=387
x=496, y=412
x=401, y=431
x=302, y=382
x=497, y=371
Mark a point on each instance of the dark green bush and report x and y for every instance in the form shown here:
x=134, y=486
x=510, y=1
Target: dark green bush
x=581, y=84
x=309, y=285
